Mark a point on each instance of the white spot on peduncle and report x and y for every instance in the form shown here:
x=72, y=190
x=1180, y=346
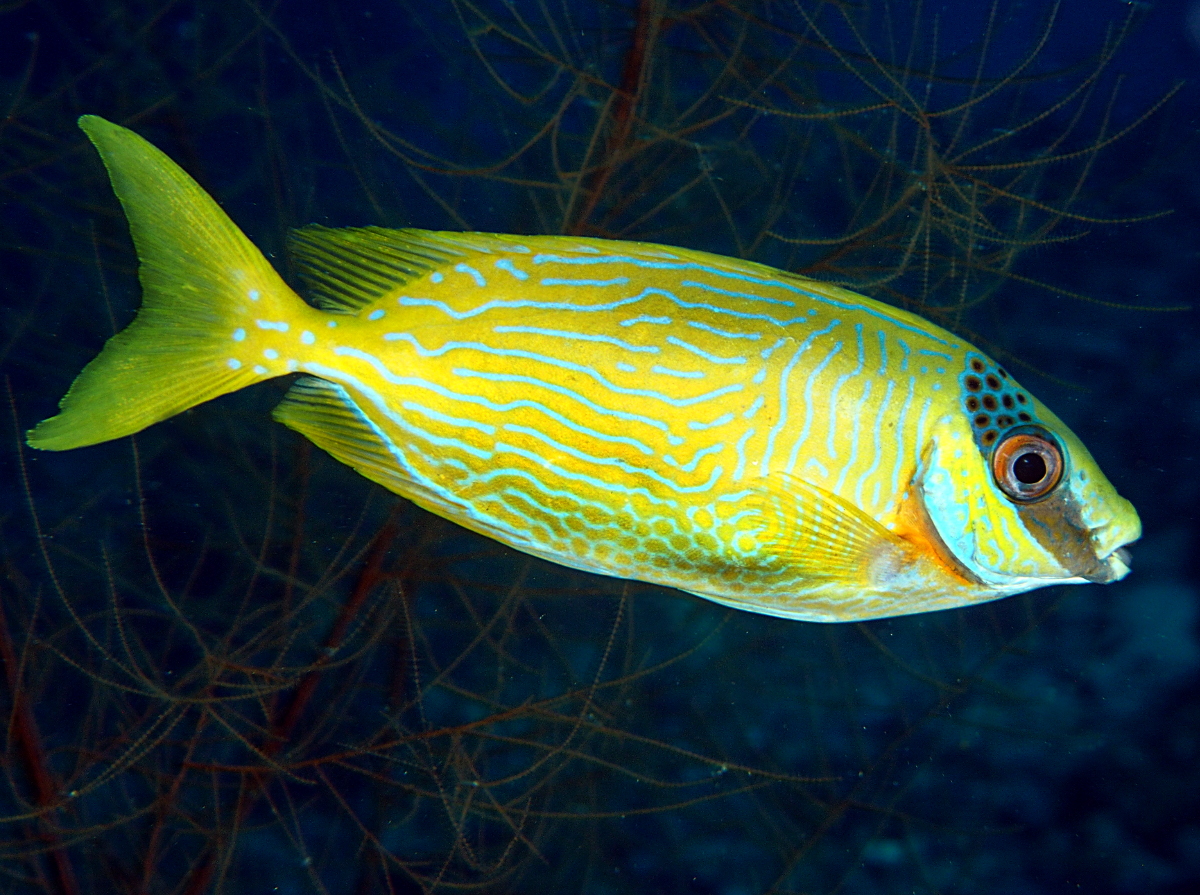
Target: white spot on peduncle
x=234, y=363
x=280, y=326
x=270, y=354
x=376, y=314
x=239, y=334
x=307, y=338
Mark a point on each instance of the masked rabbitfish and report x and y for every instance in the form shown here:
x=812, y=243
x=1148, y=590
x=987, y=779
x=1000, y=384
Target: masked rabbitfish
x=754, y=437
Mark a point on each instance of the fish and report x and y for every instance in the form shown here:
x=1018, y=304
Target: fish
x=757, y=438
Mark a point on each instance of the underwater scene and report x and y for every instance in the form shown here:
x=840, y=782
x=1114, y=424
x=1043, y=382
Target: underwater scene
x=231, y=663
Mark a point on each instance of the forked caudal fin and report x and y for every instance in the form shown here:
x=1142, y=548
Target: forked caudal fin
x=201, y=280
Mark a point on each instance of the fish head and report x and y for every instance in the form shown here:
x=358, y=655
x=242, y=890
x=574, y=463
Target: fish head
x=1015, y=498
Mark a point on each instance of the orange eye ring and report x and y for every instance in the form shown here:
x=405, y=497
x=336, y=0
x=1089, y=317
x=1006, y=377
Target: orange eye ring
x=1027, y=464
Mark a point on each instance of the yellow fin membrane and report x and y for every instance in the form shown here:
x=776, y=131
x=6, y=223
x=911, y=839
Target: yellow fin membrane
x=200, y=276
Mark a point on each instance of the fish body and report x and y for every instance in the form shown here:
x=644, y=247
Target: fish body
x=751, y=436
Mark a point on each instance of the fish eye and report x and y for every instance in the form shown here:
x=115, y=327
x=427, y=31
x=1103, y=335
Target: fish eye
x=1027, y=464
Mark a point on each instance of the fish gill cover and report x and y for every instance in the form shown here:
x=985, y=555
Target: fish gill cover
x=230, y=664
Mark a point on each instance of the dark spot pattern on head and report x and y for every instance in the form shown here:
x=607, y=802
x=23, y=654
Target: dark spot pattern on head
x=987, y=391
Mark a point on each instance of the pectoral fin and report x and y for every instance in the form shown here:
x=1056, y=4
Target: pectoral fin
x=823, y=537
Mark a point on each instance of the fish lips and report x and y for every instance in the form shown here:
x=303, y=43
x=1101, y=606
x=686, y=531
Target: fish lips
x=1111, y=568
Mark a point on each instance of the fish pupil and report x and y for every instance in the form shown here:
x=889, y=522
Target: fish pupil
x=1029, y=468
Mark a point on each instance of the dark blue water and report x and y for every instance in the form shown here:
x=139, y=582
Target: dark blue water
x=233, y=665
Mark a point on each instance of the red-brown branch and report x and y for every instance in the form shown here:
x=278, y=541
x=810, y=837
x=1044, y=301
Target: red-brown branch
x=24, y=734
x=624, y=106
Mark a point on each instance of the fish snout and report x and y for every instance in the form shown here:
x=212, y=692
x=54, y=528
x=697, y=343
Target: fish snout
x=1111, y=543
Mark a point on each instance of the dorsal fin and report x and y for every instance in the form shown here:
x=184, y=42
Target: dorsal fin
x=348, y=268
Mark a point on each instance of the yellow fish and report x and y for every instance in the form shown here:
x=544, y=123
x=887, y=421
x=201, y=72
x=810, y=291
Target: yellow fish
x=751, y=436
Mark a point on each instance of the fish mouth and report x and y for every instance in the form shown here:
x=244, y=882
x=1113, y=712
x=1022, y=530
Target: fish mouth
x=1111, y=568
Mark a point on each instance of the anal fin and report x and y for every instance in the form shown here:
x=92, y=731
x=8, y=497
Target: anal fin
x=327, y=415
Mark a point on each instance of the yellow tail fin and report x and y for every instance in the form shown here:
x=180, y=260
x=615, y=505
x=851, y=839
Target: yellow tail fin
x=201, y=279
